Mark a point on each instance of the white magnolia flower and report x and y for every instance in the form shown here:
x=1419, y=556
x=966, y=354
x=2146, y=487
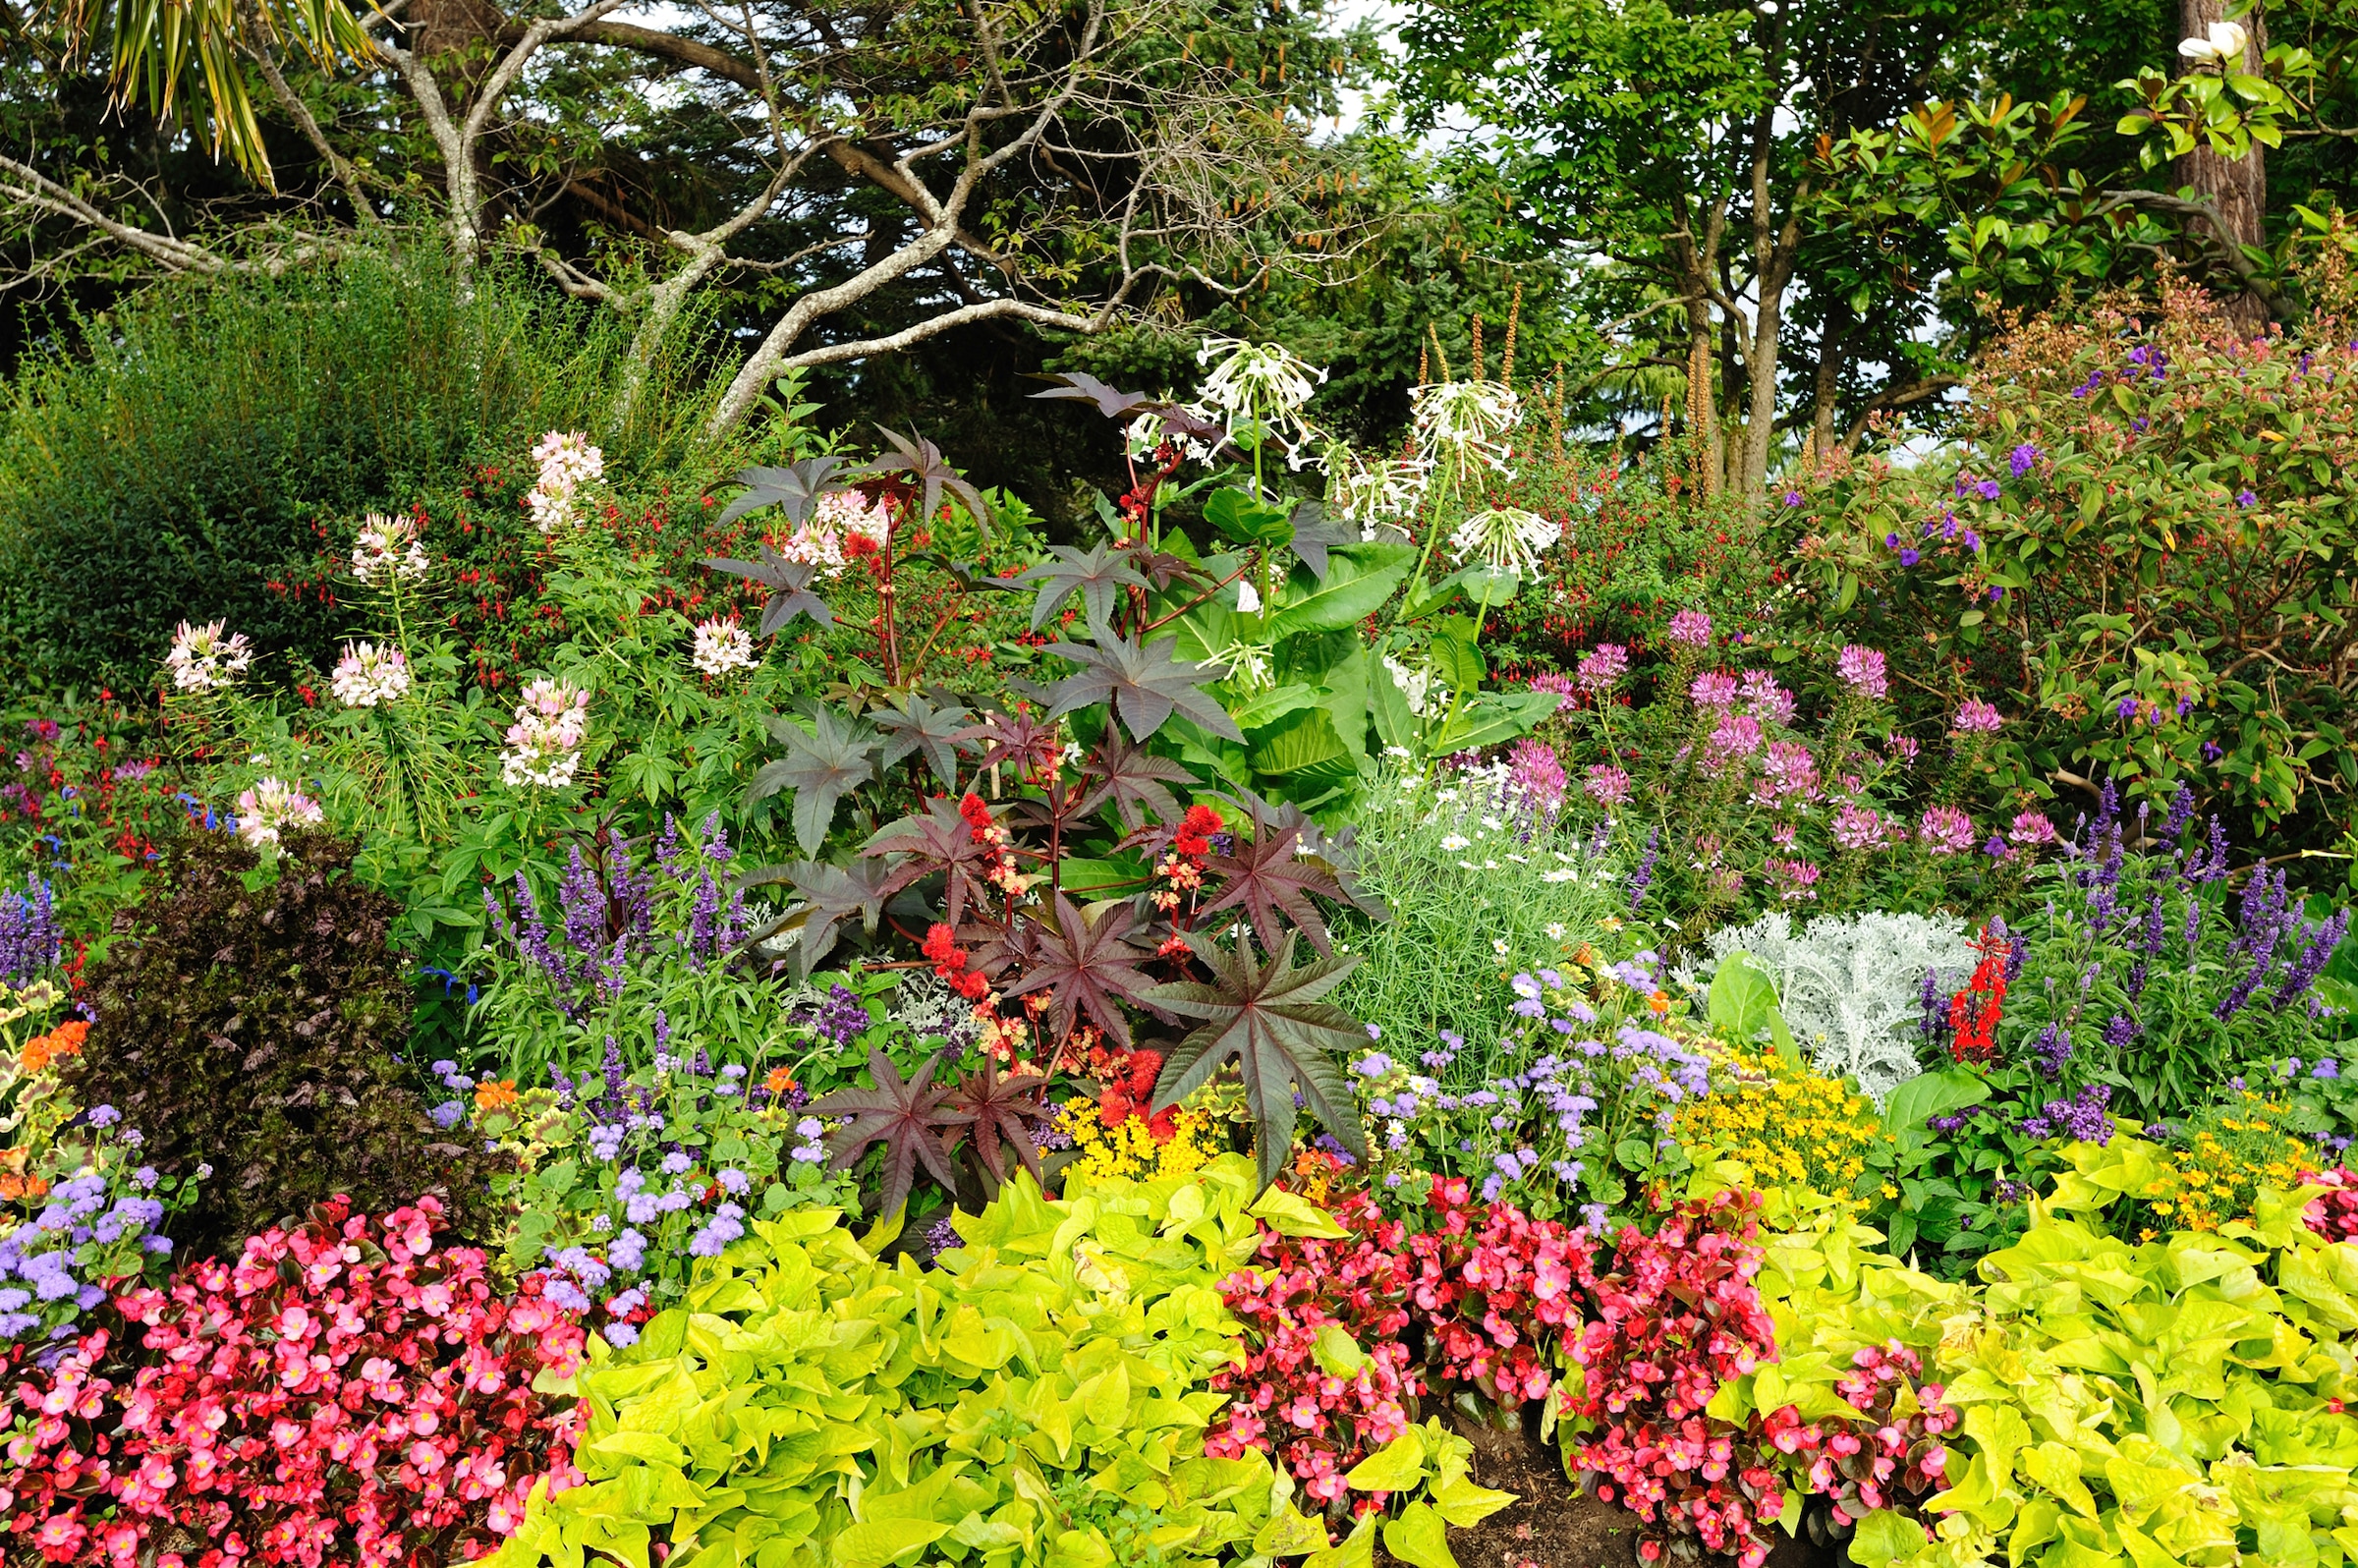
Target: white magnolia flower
x=388, y=544
x=567, y=462
x=272, y=806
x=1504, y=539
x=368, y=675
x=204, y=657
x=1462, y=425
x=722, y=646
x=544, y=743
x=2224, y=44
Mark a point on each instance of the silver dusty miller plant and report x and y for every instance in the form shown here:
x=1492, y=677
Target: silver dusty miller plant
x=1851, y=986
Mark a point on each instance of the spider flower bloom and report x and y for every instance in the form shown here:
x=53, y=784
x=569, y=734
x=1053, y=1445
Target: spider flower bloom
x=202, y=658
x=1766, y=699
x=1691, y=629
x=1606, y=785
x=1714, y=690
x=1737, y=736
x=1461, y=426
x=1603, y=670
x=1504, y=539
x=368, y=675
x=544, y=743
x=567, y=463
x=388, y=546
x=1862, y=670
x=271, y=806
x=1945, y=830
x=1859, y=827
x=851, y=515
x=721, y=646
x=1788, y=775
x=1536, y=775
x=1977, y=717
x=2030, y=830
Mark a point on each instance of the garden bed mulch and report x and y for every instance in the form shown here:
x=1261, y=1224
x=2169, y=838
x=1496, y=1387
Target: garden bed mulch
x=1553, y=1523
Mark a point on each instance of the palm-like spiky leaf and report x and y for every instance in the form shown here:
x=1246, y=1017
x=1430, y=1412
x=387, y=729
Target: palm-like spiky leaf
x=913, y=723
x=1094, y=574
x=920, y=462
x=1144, y=685
x=907, y=1116
x=1268, y=875
x=937, y=840
x=795, y=490
x=1267, y=1018
x=1081, y=387
x=789, y=583
x=820, y=768
x=1133, y=779
x=1088, y=967
x=1003, y=1112
x=827, y=896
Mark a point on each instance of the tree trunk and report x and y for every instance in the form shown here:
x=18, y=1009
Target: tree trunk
x=2237, y=188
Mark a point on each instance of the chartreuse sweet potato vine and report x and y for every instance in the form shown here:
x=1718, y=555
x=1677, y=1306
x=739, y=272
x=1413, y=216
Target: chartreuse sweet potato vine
x=1037, y=1399
x=2171, y=1401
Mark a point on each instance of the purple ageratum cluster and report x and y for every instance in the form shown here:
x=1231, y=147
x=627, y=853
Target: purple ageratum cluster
x=1862, y=670
x=839, y=1020
x=39, y=1289
x=29, y=941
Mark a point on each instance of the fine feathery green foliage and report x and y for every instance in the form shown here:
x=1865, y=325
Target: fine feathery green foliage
x=252, y=1025
x=213, y=437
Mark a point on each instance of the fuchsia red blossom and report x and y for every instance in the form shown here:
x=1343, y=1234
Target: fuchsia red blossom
x=346, y=1392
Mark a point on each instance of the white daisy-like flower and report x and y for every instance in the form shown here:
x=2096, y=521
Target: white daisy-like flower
x=204, y=657
x=544, y=743
x=388, y=546
x=1455, y=842
x=271, y=807
x=1504, y=539
x=1555, y=930
x=368, y=675
x=1461, y=426
x=1559, y=875
x=721, y=646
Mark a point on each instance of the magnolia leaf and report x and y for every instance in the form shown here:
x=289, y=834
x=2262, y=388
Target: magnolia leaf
x=1268, y=1018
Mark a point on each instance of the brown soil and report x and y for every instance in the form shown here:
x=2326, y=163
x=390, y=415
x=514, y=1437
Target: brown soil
x=1553, y=1523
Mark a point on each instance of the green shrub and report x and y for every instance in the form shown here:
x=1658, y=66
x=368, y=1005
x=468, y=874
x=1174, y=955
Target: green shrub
x=209, y=440
x=247, y=1018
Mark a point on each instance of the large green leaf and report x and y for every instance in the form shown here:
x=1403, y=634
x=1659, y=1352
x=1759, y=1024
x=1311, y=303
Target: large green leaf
x=1351, y=592
x=1453, y=654
x=821, y=766
x=1248, y=521
x=1395, y=1467
x=1305, y=742
x=1493, y=718
x=1743, y=1002
x=1267, y=707
x=1929, y=1094
x=1346, y=704
x=1417, y=1538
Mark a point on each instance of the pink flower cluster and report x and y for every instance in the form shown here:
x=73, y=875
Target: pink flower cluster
x=2335, y=1217
x=345, y=1392
x=1888, y=1459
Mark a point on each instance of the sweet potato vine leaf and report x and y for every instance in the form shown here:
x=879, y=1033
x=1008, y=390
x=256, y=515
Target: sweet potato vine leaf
x=789, y=583
x=1091, y=968
x=795, y=490
x=908, y=1116
x=1144, y=685
x=914, y=723
x=1003, y=1112
x=938, y=840
x=1093, y=574
x=1268, y=1018
x=820, y=768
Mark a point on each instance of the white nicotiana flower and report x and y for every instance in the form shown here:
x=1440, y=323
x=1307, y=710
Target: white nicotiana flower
x=1248, y=597
x=1504, y=539
x=368, y=675
x=544, y=743
x=271, y=807
x=1146, y=433
x=204, y=657
x=567, y=463
x=1462, y=425
x=1372, y=493
x=1246, y=664
x=721, y=646
x=2223, y=43
x=388, y=546
x=1423, y=695
x=1260, y=381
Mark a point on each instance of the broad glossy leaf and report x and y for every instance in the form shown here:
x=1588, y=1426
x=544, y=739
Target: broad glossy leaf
x=1268, y=1020
x=1267, y=707
x=1144, y=684
x=1348, y=593
x=1490, y=717
x=820, y=768
x=1247, y=519
x=1302, y=750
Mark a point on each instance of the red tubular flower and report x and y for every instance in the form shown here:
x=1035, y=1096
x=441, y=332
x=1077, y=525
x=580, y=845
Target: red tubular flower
x=1973, y=1012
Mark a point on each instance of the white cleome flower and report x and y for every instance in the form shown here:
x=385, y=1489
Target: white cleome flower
x=368, y=675
x=2224, y=44
x=1461, y=426
x=388, y=546
x=204, y=657
x=544, y=743
x=272, y=806
x=567, y=462
x=721, y=646
x=1504, y=539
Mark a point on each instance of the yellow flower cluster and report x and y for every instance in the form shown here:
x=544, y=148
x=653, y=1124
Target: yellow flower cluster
x=2228, y=1156
x=1792, y=1125
x=1128, y=1152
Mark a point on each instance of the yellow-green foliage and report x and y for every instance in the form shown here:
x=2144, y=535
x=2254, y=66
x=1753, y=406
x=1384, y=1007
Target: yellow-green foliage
x=1039, y=1399
x=2169, y=1402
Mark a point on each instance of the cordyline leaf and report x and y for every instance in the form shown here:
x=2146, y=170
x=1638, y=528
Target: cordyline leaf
x=1002, y=1111
x=820, y=769
x=1268, y=1018
x=1091, y=968
x=1144, y=685
x=920, y=462
x=795, y=490
x=913, y=723
x=938, y=840
x=1269, y=876
x=1082, y=387
x=907, y=1116
x=1093, y=574
x=827, y=895
x=1132, y=779
x=789, y=583
x=1314, y=533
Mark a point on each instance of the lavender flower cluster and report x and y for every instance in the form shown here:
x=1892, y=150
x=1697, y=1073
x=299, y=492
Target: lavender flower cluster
x=29, y=941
